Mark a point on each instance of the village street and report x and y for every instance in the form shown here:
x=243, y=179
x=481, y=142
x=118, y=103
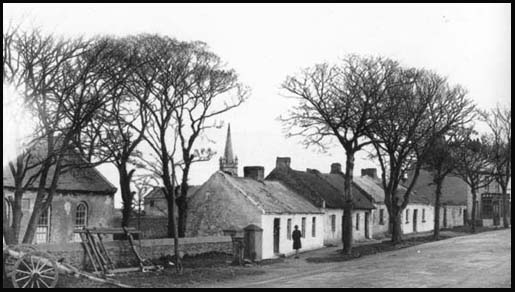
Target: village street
x=482, y=260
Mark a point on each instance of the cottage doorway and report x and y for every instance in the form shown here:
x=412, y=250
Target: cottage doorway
x=277, y=223
x=367, y=231
x=496, y=213
x=415, y=213
x=445, y=217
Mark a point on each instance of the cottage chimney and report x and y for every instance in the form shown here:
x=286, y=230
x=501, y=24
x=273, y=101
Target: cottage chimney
x=336, y=168
x=372, y=172
x=283, y=162
x=254, y=172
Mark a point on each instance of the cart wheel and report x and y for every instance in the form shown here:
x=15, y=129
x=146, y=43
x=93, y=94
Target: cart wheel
x=35, y=270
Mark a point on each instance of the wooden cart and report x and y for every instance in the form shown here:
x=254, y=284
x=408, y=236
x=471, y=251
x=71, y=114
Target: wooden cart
x=29, y=268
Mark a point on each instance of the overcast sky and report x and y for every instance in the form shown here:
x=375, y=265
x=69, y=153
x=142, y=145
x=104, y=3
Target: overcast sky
x=469, y=43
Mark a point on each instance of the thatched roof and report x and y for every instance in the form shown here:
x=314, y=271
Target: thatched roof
x=317, y=188
x=85, y=179
x=157, y=193
x=374, y=188
x=454, y=189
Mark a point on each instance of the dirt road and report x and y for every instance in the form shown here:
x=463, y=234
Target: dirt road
x=482, y=260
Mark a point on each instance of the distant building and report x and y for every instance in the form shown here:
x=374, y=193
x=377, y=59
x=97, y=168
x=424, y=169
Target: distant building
x=489, y=206
x=325, y=191
x=453, y=210
x=229, y=162
x=155, y=203
x=84, y=197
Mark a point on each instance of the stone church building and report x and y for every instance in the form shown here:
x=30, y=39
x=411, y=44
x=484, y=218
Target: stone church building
x=84, y=197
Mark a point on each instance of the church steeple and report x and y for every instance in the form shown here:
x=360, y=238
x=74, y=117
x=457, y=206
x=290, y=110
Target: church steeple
x=229, y=162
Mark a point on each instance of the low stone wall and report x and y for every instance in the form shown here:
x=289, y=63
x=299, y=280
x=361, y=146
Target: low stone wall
x=150, y=227
x=121, y=253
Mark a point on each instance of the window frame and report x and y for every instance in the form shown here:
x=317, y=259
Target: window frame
x=303, y=227
x=46, y=226
x=288, y=229
x=333, y=223
x=78, y=226
x=314, y=227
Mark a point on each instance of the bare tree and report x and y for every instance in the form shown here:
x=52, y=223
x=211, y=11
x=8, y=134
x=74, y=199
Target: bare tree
x=420, y=108
x=474, y=167
x=164, y=63
x=211, y=91
x=441, y=162
x=117, y=129
x=499, y=122
x=59, y=82
x=336, y=101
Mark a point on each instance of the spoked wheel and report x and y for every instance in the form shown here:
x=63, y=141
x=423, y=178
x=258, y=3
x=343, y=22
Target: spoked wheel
x=35, y=270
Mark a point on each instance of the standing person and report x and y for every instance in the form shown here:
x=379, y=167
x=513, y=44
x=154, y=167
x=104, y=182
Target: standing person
x=296, y=235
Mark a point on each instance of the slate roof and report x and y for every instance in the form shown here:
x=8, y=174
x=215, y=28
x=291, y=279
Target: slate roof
x=84, y=179
x=374, y=188
x=317, y=187
x=454, y=189
x=157, y=192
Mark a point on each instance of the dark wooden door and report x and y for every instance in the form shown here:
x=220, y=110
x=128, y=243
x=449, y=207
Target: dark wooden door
x=367, y=231
x=496, y=213
x=415, y=216
x=277, y=228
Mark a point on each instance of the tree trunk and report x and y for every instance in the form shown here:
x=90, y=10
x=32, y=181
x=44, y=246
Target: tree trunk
x=506, y=207
x=42, y=196
x=348, y=207
x=182, y=201
x=396, y=220
x=474, y=206
x=438, y=196
x=171, y=217
x=127, y=195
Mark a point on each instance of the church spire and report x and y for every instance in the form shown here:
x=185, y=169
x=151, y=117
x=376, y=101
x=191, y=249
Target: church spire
x=228, y=154
x=229, y=163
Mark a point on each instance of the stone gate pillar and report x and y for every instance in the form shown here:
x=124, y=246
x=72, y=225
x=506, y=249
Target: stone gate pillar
x=253, y=242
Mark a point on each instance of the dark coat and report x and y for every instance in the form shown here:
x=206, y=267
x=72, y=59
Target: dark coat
x=296, y=235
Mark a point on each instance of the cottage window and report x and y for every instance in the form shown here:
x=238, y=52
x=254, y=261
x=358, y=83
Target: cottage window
x=357, y=221
x=303, y=230
x=333, y=223
x=313, y=227
x=407, y=216
x=151, y=203
x=423, y=215
x=25, y=204
x=8, y=207
x=381, y=216
x=288, y=229
x=43, y=227
x=81, y=218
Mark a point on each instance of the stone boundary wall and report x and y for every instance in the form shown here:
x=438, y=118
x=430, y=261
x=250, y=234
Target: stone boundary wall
x=121, y=252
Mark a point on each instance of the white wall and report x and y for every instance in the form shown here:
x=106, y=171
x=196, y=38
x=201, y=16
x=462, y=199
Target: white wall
x=422, y=225
x=379, y=229
x=454, y=216
x=286, y=245
x=330, y=236
x=359, y=234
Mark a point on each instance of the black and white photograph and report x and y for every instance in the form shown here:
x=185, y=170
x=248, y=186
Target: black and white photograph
x=256, y=145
